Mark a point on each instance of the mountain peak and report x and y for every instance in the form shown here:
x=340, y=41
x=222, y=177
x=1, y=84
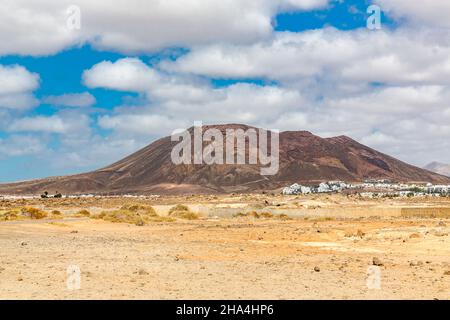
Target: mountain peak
x=438, y=167
x=341, y=138
x=303, y=157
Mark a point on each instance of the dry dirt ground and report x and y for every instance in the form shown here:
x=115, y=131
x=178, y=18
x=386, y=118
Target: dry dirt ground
x=322, y=252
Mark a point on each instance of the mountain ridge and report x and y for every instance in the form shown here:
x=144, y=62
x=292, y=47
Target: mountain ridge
x=304, y=157
x=439, y=167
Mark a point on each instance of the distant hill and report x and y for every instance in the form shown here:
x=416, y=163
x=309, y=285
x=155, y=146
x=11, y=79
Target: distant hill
x=438, y=167
x=304, y=157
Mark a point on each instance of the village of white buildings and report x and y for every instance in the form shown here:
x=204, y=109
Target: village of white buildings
x=371, y=188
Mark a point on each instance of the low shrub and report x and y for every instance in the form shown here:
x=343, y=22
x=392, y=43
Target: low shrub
x=261, y=215
x=132, y=215
x=34, y=213
x=140, y=209
x=182, y=212
x=178, y=207
x=266, y=215
x=56, y=213
x=83, y=213
x=9, y=216
x=283, y=217
x=239, y=215
x=253, y=214
x=59, y=224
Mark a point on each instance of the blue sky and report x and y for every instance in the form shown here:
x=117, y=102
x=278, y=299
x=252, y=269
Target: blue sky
x=87, y=97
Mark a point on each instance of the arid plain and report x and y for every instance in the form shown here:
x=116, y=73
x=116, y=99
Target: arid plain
x=225, y=247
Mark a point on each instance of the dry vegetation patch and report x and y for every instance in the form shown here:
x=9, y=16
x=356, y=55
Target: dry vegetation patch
x=23, y=213
x=34, y=213
x=83, y=213
x=59, y=224
x=181, y=211
x=261, y=215
x=9, y=215
x=138, y=215
x=425, y=212
x=56, y=214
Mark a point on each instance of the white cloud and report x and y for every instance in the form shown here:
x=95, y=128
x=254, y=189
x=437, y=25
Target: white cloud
x=177, y=101
x=239, y=103
x=16, y=87
x=147, y=125
x=84, y=99
x=411, y=101
x=432, y=12
x=17, y=79
x=380, y=116
x=39, y=27
x=21, y=145
x=328, y=55
x=129, y=74
x=64, y=123
x=52, y=124
x=302, y=4
x=18, y=101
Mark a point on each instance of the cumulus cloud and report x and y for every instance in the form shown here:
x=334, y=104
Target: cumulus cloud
x=84, y=99
x=329, y=55
x=405, y=100
x=432, y=12
x=16, y=87
x=52, y=124
x=21, y=145
x=239, y=103
x=145, y=124
x=176, y=101
x=40, y=27
x=405, y=122
x=64, y=123
x=129, y=74
x=378, y=115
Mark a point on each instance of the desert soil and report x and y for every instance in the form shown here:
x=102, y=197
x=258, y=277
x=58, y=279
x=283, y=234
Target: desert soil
x=310, y=256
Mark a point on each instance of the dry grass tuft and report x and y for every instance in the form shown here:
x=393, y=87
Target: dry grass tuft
x=59, y=224
x=266, y=215
x=83, y=213
x=137, y=215
x=283, y=217
x=33, y=213
x=141, y=209
x=253, y=214
x=178, y=207
x=239, y=215
x=182, y=212
x=425, y=212
x=56, y=214
x=23, y=213
x=9, y=216
x=261, y=215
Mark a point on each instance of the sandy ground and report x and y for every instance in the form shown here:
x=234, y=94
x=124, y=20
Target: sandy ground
x=220, y=257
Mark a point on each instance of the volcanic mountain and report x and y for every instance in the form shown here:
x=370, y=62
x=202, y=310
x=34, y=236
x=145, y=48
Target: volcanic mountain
x=304, y=157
